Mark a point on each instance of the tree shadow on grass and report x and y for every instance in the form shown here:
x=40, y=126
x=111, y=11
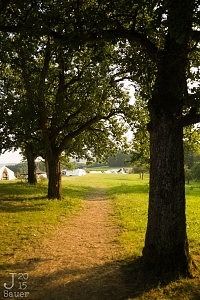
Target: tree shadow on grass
x=129, y=189
x=23, y=201
x=142, y=280
x=75, y=191
x=20, y=190
x=125, y=178
x=86, y=193
x=117, y=280
x=21, y=266
x=18, y=206
x=24, y=192
x=189, y=290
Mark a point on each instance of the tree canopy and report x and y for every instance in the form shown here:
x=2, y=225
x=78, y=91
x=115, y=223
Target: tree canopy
x=60, y=99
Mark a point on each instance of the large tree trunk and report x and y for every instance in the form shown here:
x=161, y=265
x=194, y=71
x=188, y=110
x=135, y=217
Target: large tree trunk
x=54, y=172
x=166, y=245
x=30, y=156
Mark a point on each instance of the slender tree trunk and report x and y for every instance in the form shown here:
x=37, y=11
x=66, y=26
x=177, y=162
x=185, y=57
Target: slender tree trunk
x=32, y=179
x=54, y=183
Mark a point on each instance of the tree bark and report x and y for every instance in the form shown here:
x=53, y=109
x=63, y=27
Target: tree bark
x=47, y=167
x=166, y=246
x=30, y=156
x=54, y=171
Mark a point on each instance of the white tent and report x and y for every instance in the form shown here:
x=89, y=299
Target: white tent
x=76, y=172
x=6, y=174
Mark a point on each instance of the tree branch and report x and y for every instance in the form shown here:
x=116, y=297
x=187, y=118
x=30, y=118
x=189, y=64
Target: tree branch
x=3, y=5
x=192, y=100
x=85, y=126
x=196, y=35
x=59, y=97
x=190, y=119
x=77, y=77
x=55, y=132
x=106, y=34
x=132, y=35
x=40, y=95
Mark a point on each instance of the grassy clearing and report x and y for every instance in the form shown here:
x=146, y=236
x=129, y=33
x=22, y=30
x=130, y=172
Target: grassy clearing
x=27, y=216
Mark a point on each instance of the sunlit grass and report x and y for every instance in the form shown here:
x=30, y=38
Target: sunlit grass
x=193, y=218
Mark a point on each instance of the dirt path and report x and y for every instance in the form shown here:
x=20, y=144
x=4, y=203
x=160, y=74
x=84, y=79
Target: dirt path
x=81, y=260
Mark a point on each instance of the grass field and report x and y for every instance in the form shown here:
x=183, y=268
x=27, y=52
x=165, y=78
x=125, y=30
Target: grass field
x=27, y=216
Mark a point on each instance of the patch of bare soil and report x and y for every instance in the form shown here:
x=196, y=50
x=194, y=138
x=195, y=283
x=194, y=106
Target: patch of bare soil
x=82, y=258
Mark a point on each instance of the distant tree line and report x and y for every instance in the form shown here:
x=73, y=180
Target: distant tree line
x=22, y=168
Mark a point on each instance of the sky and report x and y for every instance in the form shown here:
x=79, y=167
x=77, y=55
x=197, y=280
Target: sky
x=12, y=157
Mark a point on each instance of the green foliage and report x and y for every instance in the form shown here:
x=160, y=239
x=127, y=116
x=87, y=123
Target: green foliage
x=138, y=28
x=119, y=160
x=20, y=168
x=195, y=171
x=71, y=96
x=140, y=143
x=188, y=174
x=18, y=110
x=66, y=164
x=140, y=168
x=192, y=139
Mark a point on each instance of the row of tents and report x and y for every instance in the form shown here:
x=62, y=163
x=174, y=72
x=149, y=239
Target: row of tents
x=7, y=174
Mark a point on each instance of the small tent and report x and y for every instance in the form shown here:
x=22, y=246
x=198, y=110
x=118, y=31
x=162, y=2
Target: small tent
x=76, y=172
x=6, y=174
